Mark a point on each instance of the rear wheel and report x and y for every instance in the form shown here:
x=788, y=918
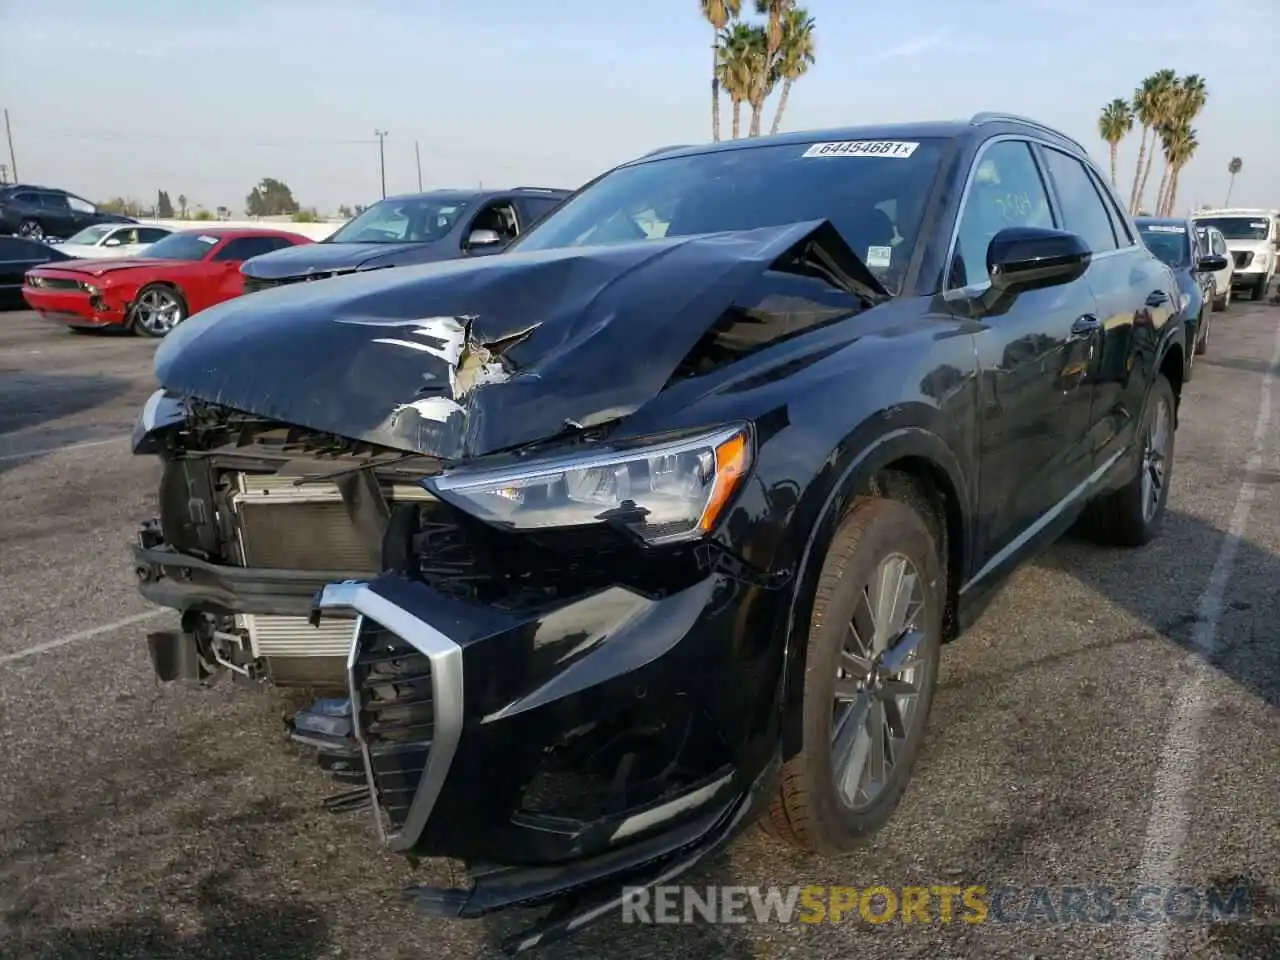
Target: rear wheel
x=1133, y=515
x=1205, y=325
x=31, y=229
x=870, y=673
x=158, y=309
x=1260, y=289
x=1224, y=300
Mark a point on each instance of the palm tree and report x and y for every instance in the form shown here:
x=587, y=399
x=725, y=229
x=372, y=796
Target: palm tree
x=1185, y=101
x=1233, y=168
x=182, y=206
x=738, y=63
x=795, y=56
x=763, y=77
x=776, y=11
x=718, y=13
x=1181, y=144
x=1114, y=124
x=1158, y=94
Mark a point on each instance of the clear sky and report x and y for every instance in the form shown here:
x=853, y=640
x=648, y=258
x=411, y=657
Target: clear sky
x=124, y=97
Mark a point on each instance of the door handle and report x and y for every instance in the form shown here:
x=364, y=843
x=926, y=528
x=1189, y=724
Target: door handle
x=1085, y=325
x=1157, y=299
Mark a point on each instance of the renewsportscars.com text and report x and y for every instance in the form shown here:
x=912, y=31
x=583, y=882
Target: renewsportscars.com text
x=938, y=903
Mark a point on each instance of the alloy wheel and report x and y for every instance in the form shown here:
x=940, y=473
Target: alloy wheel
x=1154, y=462
x=157, y=311
x=31, y=230
x=876, y=688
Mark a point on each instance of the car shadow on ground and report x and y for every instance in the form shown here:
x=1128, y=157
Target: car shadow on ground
x=28, y=398
x=164, y=834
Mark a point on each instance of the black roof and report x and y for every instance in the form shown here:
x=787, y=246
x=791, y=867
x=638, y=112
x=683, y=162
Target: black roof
x=15, y=187
x=980, y=123
x=482, y=195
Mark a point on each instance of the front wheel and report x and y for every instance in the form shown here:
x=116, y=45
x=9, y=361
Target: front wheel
x=31, y=229
x=158, y=309
x=870, y=672
x=1133, y=515
x=1260, y=289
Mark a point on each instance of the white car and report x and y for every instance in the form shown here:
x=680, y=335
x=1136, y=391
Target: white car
x=1253, y=237
x=1213, y=242
x=112, y=240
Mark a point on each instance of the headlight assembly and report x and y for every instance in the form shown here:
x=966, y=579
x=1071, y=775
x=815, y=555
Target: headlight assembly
x=665, y=491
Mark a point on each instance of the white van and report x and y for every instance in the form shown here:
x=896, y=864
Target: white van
x=1254, y=241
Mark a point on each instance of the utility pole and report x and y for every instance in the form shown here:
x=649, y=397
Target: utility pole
x=417, y=155
x=382, y=159
x=4, y=174
x=8, y=131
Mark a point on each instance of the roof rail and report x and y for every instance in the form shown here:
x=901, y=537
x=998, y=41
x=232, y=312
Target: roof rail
x=542, y=189
x=666, y=149
x=994, y=116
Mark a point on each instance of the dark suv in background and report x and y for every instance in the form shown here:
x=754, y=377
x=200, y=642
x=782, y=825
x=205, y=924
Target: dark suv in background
x=47, y=212
x=415, y=228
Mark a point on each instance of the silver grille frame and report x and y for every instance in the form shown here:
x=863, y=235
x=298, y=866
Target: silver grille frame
x=447, y=690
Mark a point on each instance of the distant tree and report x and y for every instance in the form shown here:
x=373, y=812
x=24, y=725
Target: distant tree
x=360, y=208
x=182, y=206
x=1114, y=124
x=164, y=207
x=202, y=214
x=270, y=198
x=128, y=208
x=345, y=212
x=1234, y=167
x=308, y=215
x=224, y=213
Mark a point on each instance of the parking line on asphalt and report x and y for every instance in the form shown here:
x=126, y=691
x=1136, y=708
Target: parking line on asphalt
x=1170, y=814
x=62, y=449
x=81, y=635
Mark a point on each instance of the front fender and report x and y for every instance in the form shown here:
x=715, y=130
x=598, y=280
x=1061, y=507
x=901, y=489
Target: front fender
x=853, y=469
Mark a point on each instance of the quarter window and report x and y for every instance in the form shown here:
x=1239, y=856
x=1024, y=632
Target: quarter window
x=1006, y=190
x=1082, y=209
x=245, y=248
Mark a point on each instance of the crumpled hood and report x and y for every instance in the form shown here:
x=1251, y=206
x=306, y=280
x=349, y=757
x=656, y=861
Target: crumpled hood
x=326, y=257
x=466, y=357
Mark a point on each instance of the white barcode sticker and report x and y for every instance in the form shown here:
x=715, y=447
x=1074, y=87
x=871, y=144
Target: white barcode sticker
x=880, y=257
x=898, y=149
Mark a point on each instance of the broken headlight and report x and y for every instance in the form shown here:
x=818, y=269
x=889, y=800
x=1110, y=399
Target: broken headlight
x=664, y=490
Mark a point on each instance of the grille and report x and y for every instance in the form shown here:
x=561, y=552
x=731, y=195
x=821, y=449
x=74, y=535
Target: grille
x=254, y=284
x=392, y=697
x=56, y=283
x=1242, y=257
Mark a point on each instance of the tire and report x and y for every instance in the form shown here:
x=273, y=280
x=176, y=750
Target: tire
x=157, y=309
x=1119, y=518
x=808, y=810
x=31, y=229
x=1224, y=301
x=1260, y=289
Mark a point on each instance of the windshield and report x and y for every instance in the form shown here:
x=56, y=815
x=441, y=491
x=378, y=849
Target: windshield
x=415, y=219
x=182, y=246
x=1167, y=241
x=1238, y=228
x=89, y=235
x=873, y=192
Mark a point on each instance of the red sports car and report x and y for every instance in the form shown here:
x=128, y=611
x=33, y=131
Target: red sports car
x=180, y=275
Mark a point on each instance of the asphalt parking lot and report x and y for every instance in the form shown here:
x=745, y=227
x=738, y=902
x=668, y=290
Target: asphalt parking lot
x=1113, y=720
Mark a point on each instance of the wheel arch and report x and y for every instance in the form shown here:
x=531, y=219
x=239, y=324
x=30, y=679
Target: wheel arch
x=909, y=464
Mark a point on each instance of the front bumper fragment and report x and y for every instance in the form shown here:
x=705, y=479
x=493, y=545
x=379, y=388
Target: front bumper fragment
x=460, y=709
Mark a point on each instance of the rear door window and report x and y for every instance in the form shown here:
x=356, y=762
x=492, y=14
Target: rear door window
x=1083, y=212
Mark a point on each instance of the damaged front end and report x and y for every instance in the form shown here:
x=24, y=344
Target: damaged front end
x=554, y=662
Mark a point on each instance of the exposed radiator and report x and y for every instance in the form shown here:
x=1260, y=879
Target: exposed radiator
x=271, y=636
x=283, y=525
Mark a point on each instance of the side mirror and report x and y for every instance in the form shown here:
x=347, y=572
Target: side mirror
x=1211, y=263
x=484, y=238
x=111, y=242
x=1032, y=258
